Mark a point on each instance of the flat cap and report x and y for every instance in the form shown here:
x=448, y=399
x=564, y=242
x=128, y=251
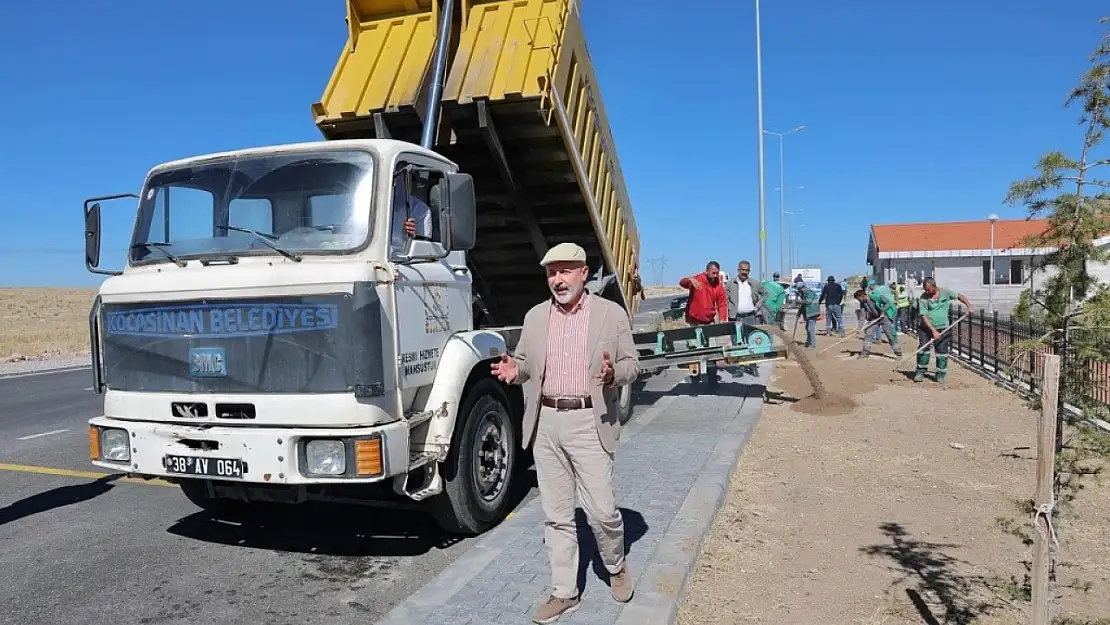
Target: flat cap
x=564, y=252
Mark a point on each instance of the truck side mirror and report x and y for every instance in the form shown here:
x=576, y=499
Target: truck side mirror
x=92, y=236
x=92, y=232
x=459, y=221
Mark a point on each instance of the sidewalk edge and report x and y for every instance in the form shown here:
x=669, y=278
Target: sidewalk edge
x=661, y=589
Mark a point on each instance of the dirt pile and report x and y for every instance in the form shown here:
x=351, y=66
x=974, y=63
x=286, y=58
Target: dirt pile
x=821, y=401
x=830, y=405
x=799, y=354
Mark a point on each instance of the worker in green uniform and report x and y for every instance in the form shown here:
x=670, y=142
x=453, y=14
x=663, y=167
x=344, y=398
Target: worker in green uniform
x=883, y=299
x=773, y=302
x=933, y=310
x=809, y=308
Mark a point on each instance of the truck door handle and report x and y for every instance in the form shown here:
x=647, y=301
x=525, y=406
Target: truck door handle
x=460, y=269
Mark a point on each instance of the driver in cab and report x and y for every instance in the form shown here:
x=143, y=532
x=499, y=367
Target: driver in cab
x=417, y=222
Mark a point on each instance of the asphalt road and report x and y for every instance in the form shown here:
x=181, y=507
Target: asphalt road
x=80, y=547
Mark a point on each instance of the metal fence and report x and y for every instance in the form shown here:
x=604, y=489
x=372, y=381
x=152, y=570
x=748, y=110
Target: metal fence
x=984, y=341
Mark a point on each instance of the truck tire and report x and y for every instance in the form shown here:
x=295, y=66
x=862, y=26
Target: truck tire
x=481, y=465
x=219, y=507
x=624, y=404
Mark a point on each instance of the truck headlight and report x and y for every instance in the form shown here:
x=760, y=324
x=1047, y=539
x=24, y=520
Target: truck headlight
x=115, y=445
x=325, y=457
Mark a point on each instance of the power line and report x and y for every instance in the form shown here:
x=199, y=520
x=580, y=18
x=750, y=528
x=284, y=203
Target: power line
x=659, y=265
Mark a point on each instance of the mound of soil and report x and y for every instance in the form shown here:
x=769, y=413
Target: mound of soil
x=830, y=405
x=799, y=354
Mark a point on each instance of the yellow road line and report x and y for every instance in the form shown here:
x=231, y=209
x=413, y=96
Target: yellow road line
x=93, y=475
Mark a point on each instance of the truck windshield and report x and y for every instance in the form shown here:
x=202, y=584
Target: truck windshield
x=301, y=203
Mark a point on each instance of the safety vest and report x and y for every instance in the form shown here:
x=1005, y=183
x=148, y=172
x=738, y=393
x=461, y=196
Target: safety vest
x=901, y=298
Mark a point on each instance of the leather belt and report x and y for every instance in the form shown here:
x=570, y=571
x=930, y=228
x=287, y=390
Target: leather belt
x=567, y=403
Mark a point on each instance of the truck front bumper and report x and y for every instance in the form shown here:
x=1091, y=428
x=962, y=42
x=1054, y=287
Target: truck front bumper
x=256, y=455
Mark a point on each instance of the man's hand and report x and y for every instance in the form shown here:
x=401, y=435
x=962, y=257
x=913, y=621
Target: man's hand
x=694, y=282
x=605, y=376
x=410, y=227
x=505, y=369
x=936, y=335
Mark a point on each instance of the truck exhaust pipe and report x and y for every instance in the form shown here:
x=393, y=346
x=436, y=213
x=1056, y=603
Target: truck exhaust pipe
x=439, y=71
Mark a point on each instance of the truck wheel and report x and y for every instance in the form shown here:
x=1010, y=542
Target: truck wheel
x=624, y=404
x=480, y=468
x=219, y=507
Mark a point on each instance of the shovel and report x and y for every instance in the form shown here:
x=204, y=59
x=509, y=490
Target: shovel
x=853, y=334
x=926, y=346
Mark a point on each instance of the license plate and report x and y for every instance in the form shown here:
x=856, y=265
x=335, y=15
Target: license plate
x=214, y=467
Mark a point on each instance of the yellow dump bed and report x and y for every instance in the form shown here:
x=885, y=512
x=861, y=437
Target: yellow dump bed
x=522, y=113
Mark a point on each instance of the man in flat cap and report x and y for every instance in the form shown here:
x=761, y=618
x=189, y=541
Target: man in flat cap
x=577, y=349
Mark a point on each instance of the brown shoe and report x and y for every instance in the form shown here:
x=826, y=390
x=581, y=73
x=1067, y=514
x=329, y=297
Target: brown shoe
x=554, y=608
x=621, y=585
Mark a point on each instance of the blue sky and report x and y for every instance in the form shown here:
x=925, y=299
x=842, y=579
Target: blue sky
x=914, y=111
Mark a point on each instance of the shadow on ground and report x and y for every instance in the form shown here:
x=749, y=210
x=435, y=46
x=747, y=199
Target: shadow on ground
x=588, y=556
x=643, y=397
x=57, y=498
x=939, y=592
x=332, y=529
x=775, y=398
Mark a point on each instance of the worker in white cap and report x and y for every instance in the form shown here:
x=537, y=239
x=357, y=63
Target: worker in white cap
x=577, y=349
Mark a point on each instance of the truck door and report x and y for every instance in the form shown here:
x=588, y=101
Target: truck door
x=432, y=295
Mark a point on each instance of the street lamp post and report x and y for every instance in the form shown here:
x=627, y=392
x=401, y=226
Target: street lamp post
x=782, y=184
x=990, y=287
x=762, y=196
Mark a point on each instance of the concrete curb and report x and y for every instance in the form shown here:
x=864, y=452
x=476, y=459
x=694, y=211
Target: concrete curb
x=47, y=371
x=660, y=590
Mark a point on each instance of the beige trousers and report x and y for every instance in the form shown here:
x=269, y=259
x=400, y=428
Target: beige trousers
x=570, y=461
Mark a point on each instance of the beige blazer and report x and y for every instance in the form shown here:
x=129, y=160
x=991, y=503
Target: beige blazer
x=608, y=330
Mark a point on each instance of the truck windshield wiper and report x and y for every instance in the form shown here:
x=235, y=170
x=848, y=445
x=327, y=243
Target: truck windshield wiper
x=267, y=239
x=161, y=247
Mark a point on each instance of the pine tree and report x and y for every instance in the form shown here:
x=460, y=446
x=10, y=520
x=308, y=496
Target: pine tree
x=1067, y=192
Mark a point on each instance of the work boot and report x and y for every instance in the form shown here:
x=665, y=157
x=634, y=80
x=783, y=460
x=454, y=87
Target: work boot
x=922, y=366
x=555, y=608
x=621, y=585
x=942, y=368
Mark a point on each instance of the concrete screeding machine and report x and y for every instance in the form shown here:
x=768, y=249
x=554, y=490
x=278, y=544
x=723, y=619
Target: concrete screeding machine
x=276, y=335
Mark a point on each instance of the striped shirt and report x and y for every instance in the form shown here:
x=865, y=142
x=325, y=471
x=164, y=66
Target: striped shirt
x=567, y=368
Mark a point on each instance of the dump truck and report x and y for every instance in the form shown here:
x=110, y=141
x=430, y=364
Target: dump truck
x=317, y=321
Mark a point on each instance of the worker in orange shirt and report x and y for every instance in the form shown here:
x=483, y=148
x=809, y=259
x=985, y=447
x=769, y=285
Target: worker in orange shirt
x=708, y=299
x=707, y=296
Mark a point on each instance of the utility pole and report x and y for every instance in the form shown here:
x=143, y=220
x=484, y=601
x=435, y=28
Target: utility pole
x=658, y=265
x=762, y=195
x=782, y=191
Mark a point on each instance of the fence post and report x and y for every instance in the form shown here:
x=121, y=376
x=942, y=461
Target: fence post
x=982, y=339
x=1010, y=329
x=1064, y=353
x=994, y=333
x=963, y=333
x=1032, y=359
x=1043, y=499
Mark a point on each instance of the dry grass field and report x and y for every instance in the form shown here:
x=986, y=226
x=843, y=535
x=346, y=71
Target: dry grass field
x=44, y=322
x=656, y=291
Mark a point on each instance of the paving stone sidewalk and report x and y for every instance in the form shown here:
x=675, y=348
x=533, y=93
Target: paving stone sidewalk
x=673, y=467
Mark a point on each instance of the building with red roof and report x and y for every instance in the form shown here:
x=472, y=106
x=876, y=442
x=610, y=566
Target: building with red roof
x=958, y=255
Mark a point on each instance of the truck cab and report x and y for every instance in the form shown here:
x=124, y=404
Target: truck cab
x=277, y=334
